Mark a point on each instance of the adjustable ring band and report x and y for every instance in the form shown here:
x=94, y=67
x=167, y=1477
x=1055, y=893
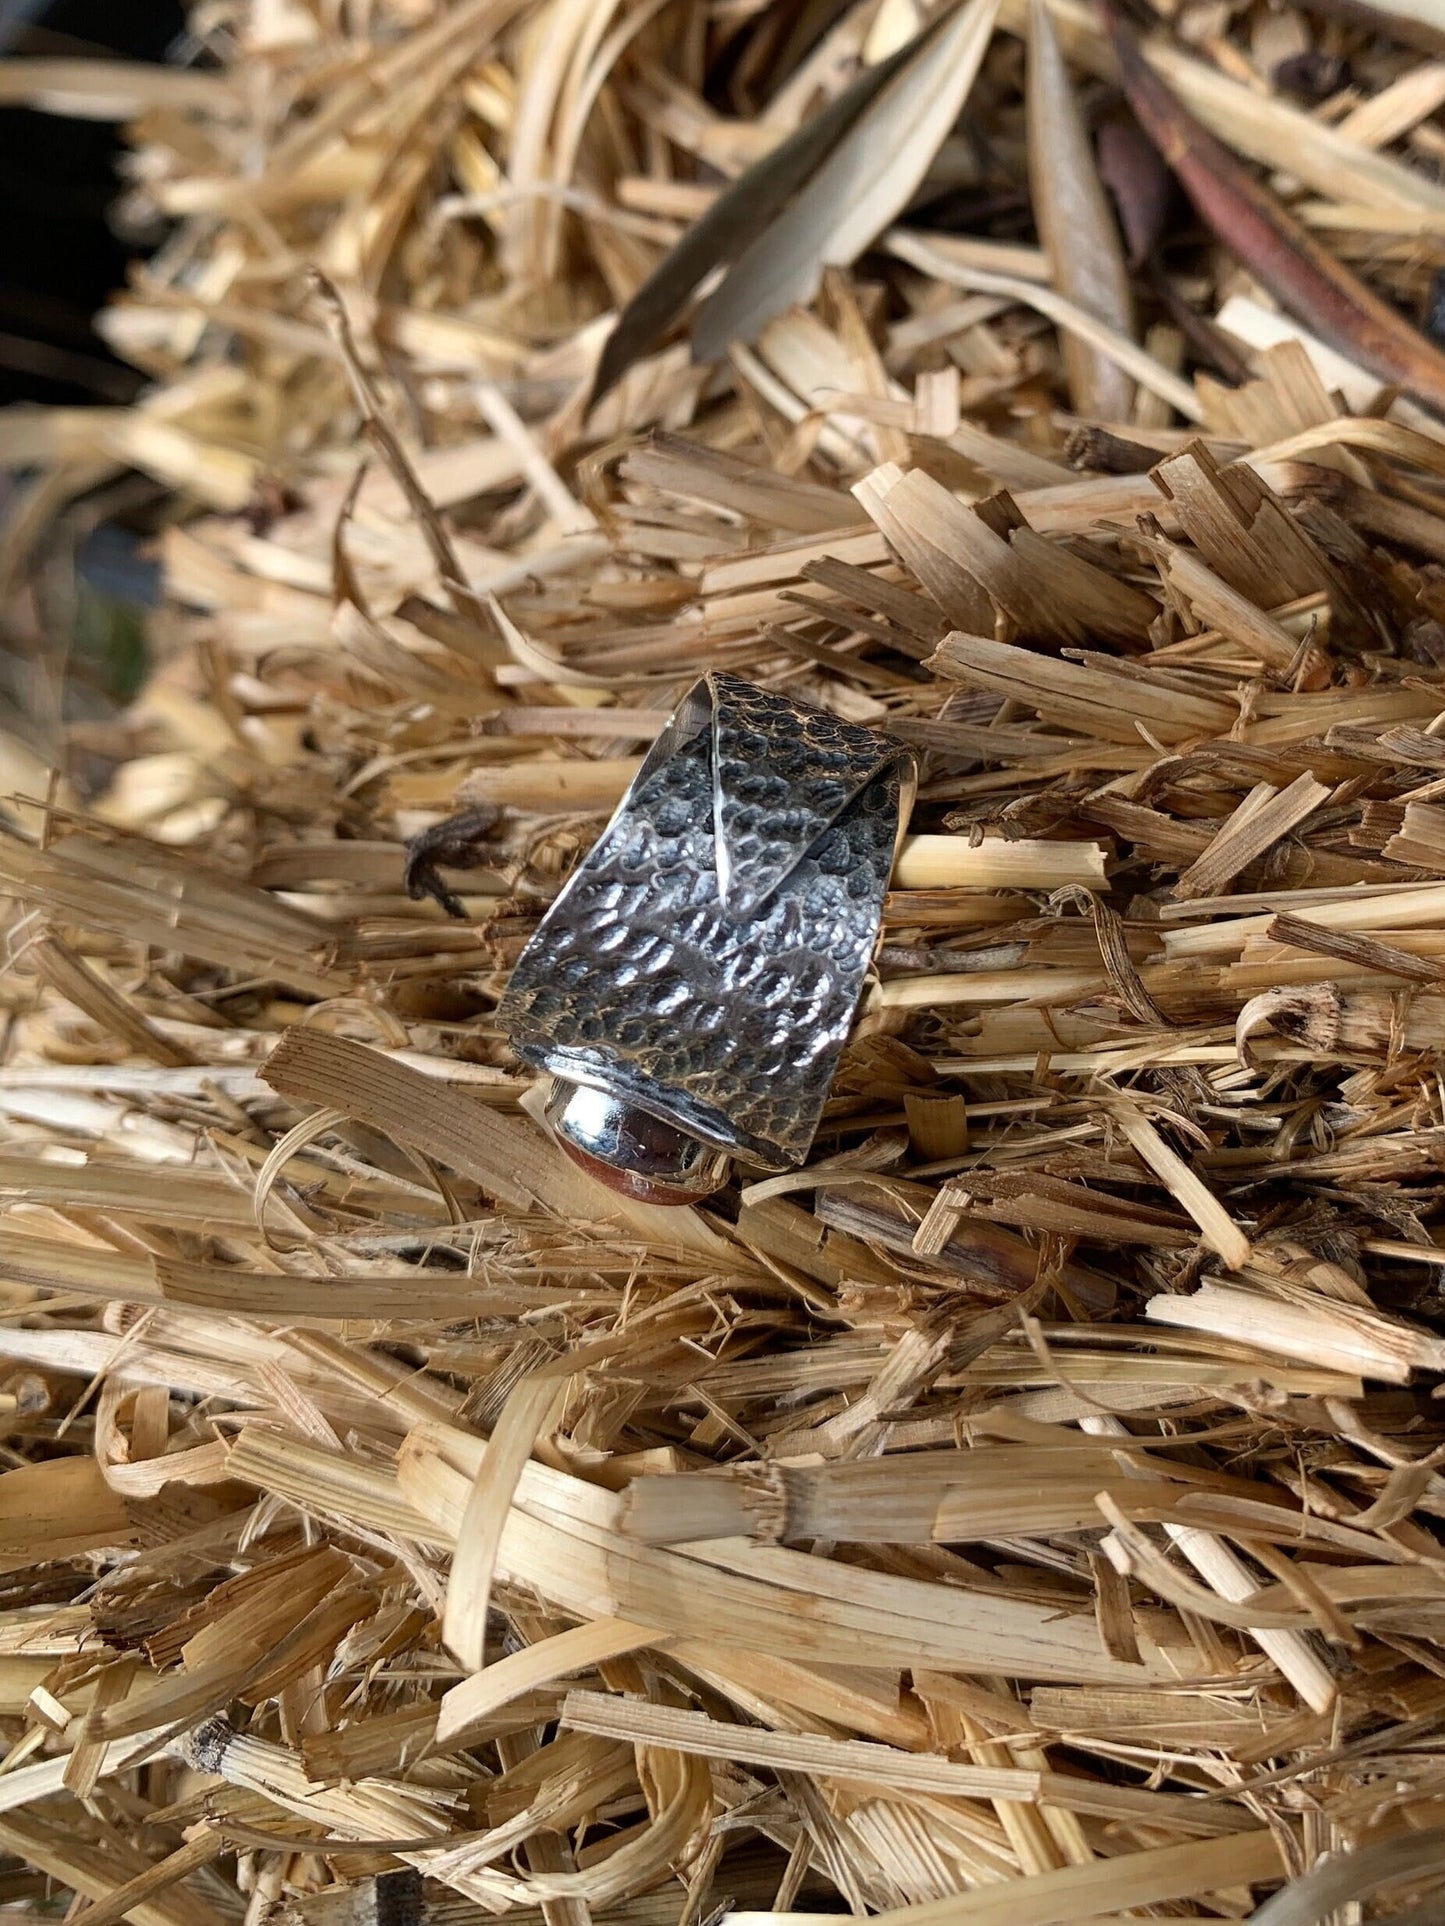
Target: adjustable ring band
x=694, y=983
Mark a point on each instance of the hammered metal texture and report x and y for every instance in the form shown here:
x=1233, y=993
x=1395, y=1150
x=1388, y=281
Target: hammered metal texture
x=641, y=980
x=782, y=773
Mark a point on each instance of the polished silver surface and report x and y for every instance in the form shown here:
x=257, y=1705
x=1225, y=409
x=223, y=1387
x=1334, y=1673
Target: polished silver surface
x=704, y=962
x=630, y=1150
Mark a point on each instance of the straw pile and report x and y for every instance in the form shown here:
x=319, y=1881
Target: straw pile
x=1028, y=1513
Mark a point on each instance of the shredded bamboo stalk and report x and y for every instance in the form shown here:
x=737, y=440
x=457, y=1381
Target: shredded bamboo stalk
x=1382, y=1349
x=1264, y=816
x=467, y=1708
x=637, y=1721
x=1222, y=1570
x=1220, y=1233
x=1073, y=1893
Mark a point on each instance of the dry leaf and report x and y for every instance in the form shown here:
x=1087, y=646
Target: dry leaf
x=734, y=218
x=1075, y=224
x=1130, y=167
x=866, y=181
x=1305, y=278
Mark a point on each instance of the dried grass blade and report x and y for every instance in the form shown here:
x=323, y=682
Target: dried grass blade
x=127, y=1898
x=1066, y=314
x=1416, y=22
x=115, y=89
x=1075, y=224
x=1264, y=816
x=1135, y=1554
x=1284, y=256
x=1078, y=696
x=1346, y=1882
x=74, y=979
x=864, y=183
x=1386, y=116
x=57, y=1509
x=90, y=1271
x=97, y=1870
x=1219, y=1567
x=1272, y=132
x=523, y=1419
x=952, y=862
x=1344, y=947
x=1345, y=1336
x=513, y=1163
x=467, y=1707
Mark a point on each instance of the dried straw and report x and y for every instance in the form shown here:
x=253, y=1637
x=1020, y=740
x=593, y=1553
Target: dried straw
x=1029, y=1511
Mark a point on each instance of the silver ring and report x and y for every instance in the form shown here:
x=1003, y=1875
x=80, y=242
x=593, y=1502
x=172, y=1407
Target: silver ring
x=691, y=988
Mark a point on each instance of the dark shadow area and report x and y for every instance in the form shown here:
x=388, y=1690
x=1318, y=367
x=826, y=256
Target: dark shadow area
x=60, y=258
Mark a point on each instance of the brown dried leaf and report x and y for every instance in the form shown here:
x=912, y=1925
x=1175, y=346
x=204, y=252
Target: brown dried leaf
x=1130, y=167
x=1289, y=263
